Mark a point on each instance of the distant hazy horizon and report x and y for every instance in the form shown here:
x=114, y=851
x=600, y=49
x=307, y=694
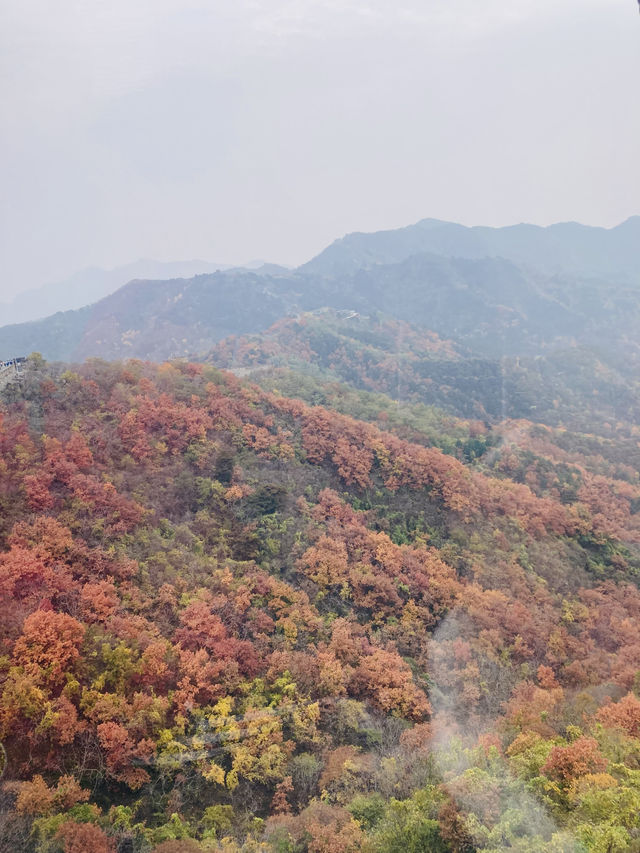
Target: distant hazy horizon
x=207, y=264
x=201, y=129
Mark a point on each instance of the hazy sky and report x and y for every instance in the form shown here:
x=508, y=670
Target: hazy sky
x=248, y=129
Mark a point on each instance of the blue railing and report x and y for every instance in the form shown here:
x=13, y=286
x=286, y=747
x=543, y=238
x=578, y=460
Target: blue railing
x=12, y=364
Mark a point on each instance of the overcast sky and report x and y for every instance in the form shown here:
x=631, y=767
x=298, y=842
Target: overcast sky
x=246, y=129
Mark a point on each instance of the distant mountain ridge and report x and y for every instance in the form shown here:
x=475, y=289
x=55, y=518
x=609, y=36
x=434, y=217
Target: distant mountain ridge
x=92, y=284
x=492, y=306
x=568, y=246
x=488, y=305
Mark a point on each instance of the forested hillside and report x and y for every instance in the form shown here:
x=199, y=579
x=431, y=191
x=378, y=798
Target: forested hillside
x=579, y=387
x=234, y=620
x=373, y=589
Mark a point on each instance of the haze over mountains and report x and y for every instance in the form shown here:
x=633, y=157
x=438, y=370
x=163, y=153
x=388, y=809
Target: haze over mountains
x=566, y=246
x=439, y=275
x=521, y=292
x=90, y=285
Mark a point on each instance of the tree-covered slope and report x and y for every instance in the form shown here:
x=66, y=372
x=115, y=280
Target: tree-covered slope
x=578, y=387
x=154, y=319
x=232, y=620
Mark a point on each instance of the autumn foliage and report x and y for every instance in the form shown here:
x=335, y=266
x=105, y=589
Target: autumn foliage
x=231, y=617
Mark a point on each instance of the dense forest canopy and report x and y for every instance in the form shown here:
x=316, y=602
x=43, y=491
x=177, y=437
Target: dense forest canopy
x=236, y=619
